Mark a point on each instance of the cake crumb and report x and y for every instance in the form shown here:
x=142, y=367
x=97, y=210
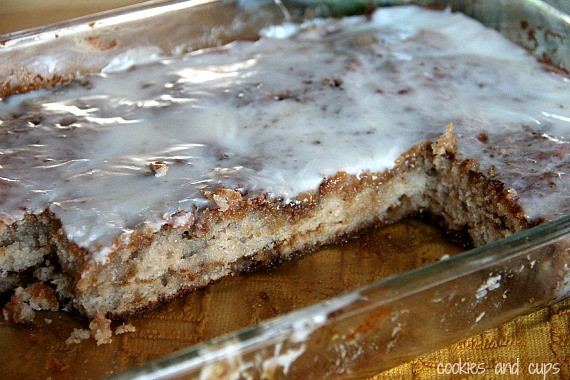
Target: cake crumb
x=158, y=168
x=125, y=329
x=48, y=321
x=225, y=199
x=447, y=143
x=101, y=330
x=77, y=336
x=26, y=301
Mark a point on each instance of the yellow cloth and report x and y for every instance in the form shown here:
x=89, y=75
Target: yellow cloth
x=538, y=342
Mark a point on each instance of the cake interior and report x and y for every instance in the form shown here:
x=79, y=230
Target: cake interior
x=242, y=234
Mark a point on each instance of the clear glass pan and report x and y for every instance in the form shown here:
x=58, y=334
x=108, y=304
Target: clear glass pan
x=364, y=331
x=392, y=321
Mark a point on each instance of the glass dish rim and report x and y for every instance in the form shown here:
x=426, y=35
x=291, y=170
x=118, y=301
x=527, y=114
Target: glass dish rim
x=126, y=12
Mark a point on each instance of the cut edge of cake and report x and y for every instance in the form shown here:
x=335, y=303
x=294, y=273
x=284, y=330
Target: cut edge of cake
x=243, y=233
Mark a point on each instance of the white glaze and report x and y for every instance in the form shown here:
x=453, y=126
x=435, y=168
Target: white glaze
x=268, y=116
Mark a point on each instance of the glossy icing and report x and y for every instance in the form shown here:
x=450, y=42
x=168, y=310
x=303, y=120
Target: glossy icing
x=279, y=115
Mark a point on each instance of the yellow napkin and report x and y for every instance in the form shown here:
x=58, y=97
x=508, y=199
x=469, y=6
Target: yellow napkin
x=536, y=346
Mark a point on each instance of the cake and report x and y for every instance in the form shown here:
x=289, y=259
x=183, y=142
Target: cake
x=123, y=190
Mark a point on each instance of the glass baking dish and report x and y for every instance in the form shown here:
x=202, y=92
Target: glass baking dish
x=387, y=323
x=373, y=328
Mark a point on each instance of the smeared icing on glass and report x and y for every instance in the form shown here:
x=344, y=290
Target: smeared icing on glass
x=280, y=115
